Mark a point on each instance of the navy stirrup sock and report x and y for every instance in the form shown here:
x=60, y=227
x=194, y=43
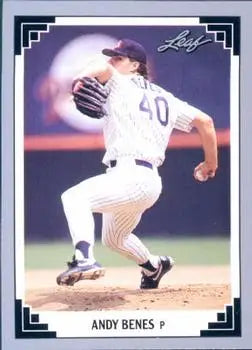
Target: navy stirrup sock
x=83, y=247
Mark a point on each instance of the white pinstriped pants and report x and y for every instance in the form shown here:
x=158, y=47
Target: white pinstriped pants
x=121, y=195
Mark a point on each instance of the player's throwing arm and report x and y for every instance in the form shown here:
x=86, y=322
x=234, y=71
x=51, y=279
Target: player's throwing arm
x=205, y=126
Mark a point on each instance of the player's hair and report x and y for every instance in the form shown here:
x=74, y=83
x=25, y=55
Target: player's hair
x=142, y=69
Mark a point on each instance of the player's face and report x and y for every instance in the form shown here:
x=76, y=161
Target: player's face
x=123, y=64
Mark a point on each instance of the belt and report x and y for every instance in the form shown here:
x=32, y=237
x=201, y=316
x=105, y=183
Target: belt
x=137, y=161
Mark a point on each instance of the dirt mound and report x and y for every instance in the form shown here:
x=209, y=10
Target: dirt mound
x=189, y=287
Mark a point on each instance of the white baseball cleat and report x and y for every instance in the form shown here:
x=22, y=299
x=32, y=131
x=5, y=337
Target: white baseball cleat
x=80, y=270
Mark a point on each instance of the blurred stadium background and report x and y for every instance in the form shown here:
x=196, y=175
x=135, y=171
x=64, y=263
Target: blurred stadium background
x=191, y=221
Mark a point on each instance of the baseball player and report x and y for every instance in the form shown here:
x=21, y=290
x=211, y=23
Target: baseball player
x=139, y=117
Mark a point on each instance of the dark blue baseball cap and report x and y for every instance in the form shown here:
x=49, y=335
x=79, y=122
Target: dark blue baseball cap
x=127, y=48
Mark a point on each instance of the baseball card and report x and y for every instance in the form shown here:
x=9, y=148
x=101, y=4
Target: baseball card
x=125, y=176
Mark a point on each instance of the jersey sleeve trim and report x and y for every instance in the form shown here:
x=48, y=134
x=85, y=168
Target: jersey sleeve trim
x=183, y=123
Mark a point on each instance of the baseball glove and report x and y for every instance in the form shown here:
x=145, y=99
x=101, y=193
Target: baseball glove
x=89, y=97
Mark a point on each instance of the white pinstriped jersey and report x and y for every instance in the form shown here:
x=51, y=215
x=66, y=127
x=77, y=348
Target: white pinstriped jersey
x=141, y=117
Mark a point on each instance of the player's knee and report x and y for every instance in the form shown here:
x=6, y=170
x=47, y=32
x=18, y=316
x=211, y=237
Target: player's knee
x=69, y=196
x=108, y=241
x=65, y=196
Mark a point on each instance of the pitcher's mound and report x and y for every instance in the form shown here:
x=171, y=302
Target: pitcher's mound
x=188, y=287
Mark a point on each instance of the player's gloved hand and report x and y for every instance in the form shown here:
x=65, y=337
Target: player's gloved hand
x=89, y=97
x=204, y=171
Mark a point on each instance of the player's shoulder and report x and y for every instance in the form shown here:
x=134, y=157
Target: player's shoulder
x=159, y=89
x=162, y=91
x=156, y=87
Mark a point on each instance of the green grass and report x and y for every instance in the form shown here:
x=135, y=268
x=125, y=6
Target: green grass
x=188, y=251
